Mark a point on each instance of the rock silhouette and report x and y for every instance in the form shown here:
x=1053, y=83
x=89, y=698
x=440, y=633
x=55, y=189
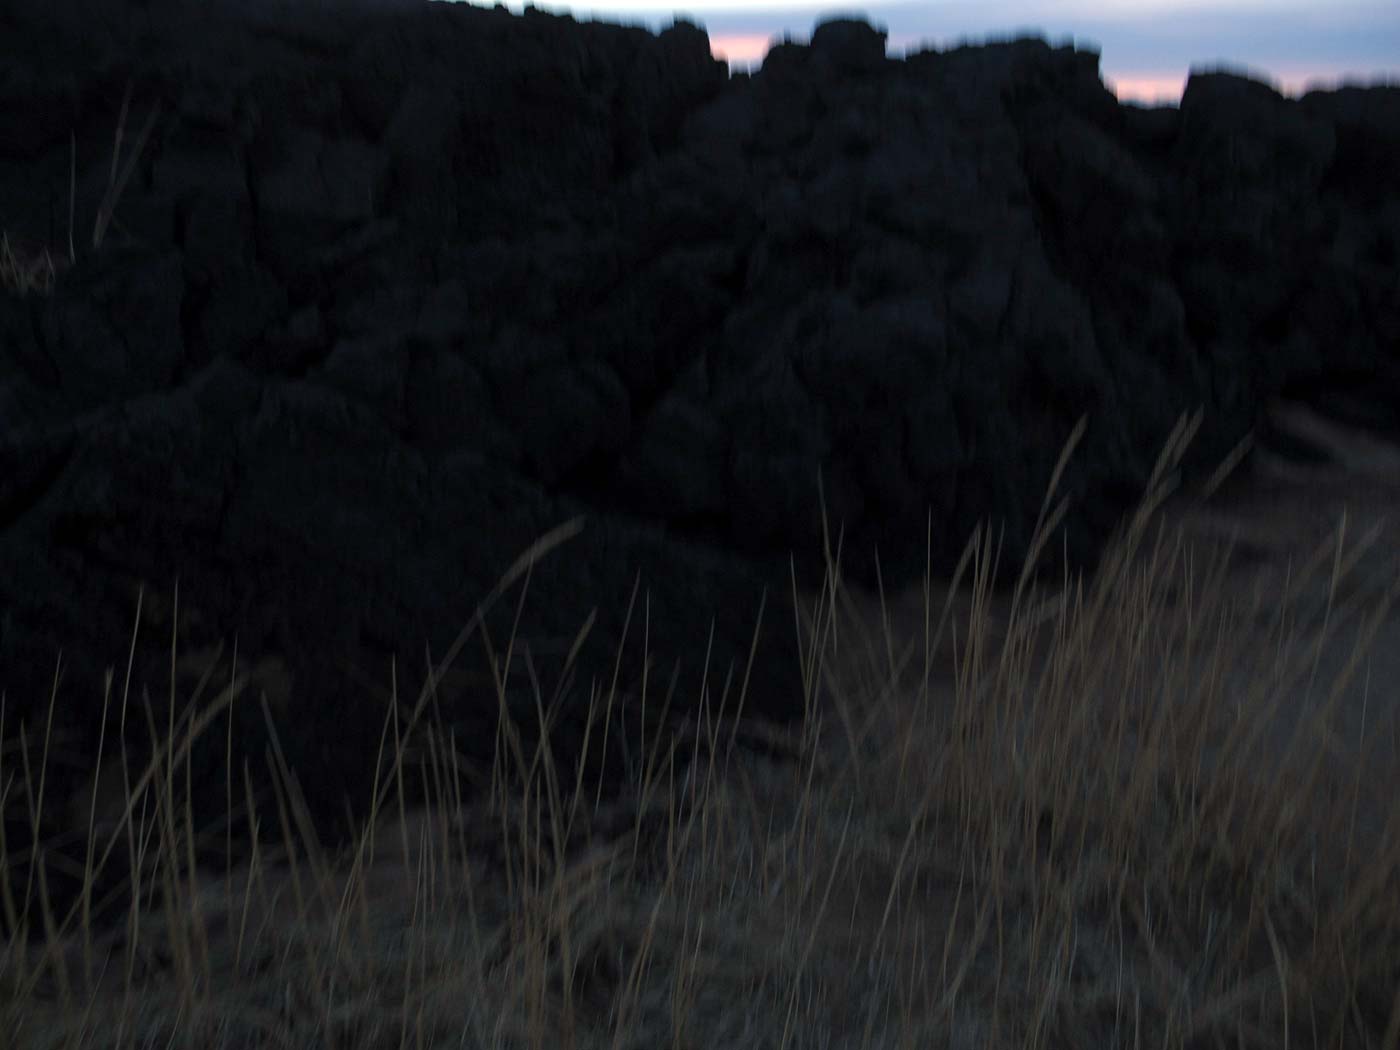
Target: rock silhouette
x=375, y=295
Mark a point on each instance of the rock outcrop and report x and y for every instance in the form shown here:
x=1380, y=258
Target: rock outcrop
x=372, y=298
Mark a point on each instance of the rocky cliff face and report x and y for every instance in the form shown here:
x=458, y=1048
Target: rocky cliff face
x=371, y=298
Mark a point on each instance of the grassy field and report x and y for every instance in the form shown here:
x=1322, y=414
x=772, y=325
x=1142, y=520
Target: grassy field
x=1068, y=835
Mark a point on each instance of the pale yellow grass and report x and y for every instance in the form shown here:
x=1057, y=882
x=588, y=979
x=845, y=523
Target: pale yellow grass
x=1044, y=822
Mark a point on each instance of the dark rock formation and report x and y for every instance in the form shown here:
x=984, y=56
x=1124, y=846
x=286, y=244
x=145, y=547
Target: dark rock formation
x=375, y=297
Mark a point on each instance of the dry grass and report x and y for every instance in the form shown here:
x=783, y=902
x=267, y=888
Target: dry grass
x=1101, y=854
x=26, y=267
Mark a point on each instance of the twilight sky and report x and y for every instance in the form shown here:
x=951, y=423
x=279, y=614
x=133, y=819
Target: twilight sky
x=1147, y=46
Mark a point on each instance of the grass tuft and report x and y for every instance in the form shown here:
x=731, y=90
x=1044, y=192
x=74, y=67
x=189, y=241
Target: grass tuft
x=1061, y=827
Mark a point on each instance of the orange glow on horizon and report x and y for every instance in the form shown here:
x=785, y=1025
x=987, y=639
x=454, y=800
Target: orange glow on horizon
x=1153, y=91
x=1158, y=90
x=747, y=51
x=739, y=50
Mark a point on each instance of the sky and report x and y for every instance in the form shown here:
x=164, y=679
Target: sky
x=1147, y=47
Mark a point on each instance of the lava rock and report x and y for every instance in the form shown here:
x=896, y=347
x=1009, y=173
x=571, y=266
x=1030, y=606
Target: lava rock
x=373, y=298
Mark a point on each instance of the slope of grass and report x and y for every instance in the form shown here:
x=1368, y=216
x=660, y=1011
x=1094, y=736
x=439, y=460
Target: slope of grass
x=1076, y=838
